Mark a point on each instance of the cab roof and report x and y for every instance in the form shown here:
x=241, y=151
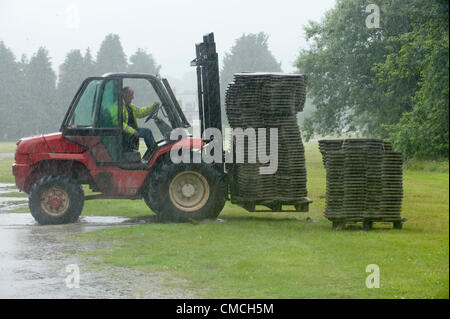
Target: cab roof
x=128, y=75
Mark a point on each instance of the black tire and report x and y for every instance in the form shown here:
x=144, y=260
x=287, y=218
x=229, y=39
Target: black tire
x=150, y=203
x=69, y=195
x=146, y=188
x=161, y=200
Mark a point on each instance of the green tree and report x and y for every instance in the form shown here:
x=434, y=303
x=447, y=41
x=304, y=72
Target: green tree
x=250, y=53
x=11, y=88
x=89, y=64
x=143, y=62
x=72, y=73
x=340, y=65
x=41, y=103
x=111, y=57
x=423, y=59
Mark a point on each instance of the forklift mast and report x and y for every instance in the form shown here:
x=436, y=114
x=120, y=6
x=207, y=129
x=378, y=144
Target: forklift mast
x=208, y=85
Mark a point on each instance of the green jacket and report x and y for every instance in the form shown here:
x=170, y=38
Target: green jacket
x=138, y=112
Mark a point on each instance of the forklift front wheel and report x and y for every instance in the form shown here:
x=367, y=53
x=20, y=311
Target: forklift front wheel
x=189, y=191
x=181, y=192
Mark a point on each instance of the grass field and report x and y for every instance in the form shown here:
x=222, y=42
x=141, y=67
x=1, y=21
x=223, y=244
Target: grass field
x=289, y=255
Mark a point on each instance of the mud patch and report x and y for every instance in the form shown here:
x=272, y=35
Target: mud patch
x=33, y=261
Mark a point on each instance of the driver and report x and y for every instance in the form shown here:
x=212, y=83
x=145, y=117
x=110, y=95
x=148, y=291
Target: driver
x=130, y=113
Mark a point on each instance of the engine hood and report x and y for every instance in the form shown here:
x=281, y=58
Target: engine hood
x=49, y=143
x=32, y=144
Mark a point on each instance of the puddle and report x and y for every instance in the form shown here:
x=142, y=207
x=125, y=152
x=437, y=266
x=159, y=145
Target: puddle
x=10, y=205
x=33, y=261
x=84, y=223
x=8, y=187
x=12, y=199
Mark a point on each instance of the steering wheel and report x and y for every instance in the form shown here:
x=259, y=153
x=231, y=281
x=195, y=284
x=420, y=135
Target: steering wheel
x=153, y=114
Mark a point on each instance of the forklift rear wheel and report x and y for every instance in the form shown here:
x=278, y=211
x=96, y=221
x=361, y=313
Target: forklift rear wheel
x=56, y=199
x=181, y=192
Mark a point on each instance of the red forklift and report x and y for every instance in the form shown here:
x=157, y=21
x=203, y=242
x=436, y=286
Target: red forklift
x=90, y=149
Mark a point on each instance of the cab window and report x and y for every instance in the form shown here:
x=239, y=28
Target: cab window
x=83, y=115
x=108, y=115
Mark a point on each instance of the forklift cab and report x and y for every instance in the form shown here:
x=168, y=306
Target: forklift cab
x=94, y=119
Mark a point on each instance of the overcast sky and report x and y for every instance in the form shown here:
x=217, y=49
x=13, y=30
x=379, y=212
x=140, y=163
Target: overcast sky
x=166, y=28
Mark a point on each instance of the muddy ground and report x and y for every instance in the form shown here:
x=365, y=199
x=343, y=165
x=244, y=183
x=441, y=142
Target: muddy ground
x=33, y=260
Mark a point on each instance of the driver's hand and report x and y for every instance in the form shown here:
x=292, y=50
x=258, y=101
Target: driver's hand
x=136, y=134
x=156, y=104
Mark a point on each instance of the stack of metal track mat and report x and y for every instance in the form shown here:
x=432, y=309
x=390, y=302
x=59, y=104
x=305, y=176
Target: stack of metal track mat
x=355, y=187
x=374, y=183
x=269, y=100
x=364, y=182
x=326, y=146
x=387, y=145
x=335, y=184
x=368, y=157
x=392, y=186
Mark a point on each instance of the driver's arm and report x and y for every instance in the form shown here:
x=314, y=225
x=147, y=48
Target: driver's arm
x=145, y=111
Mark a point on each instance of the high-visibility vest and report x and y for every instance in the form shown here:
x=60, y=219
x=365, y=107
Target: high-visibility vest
x=138, y=112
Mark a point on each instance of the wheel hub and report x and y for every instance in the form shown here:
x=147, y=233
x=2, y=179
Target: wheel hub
x=55, y=201
x=189, y=191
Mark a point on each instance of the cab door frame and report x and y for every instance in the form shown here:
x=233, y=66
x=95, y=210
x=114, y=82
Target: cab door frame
x=82, y=134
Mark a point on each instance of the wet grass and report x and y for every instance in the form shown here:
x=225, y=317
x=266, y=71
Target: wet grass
x=6, y=176
x=22, y=209
x=295, y=255
x=13, y=194
x=7, y=147
x=439, y=166
x=290, y=255
x=6, y=161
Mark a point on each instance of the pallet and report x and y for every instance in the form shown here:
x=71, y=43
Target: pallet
x=301, y=205
x=339, y=224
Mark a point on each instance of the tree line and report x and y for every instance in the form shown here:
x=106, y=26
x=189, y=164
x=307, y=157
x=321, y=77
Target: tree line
x=390, y=82
x=33, y=100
